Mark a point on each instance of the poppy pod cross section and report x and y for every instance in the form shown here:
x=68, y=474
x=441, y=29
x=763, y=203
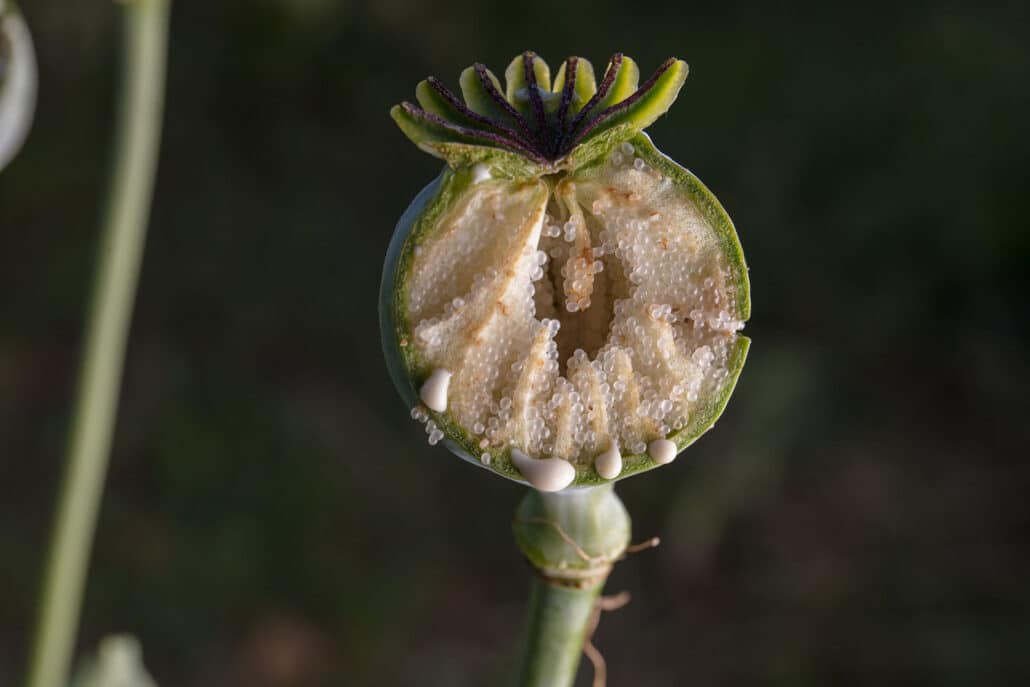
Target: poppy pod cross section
x=562, y=305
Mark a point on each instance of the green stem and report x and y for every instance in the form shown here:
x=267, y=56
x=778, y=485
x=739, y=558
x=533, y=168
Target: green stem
x=572, y=539
x=96, y=404
x=555, y=632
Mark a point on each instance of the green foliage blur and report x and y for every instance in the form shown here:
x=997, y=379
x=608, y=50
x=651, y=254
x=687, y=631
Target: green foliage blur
x=274, y=518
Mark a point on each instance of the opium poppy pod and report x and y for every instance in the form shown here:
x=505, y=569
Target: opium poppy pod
x=562, y=304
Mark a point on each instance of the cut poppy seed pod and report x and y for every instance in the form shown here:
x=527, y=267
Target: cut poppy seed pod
x=562, y=304
x=17, y=81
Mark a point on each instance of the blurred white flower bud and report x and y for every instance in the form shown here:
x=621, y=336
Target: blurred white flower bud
x=17, y=81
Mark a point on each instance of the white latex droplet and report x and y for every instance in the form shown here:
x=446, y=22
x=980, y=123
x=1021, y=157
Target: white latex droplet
x=662, y=450
x=480, y=172
x=545, y=474
x=609, y=463
x=434, y=391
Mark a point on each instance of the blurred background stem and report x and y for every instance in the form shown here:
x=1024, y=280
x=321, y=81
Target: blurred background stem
x=134, y=165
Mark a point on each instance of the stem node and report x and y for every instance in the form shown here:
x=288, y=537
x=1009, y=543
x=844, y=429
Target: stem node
x=572, y=539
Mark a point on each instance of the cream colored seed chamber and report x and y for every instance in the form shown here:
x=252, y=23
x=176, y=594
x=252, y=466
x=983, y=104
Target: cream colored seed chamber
x=575, y=316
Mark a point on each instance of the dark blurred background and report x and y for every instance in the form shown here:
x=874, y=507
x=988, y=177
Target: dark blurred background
x=273, y=517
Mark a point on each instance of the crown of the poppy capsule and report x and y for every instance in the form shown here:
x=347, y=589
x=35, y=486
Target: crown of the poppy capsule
x=535, y=126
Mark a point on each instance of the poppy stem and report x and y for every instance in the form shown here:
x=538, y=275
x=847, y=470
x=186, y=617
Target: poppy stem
x=556, y=628
x=572, y=538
